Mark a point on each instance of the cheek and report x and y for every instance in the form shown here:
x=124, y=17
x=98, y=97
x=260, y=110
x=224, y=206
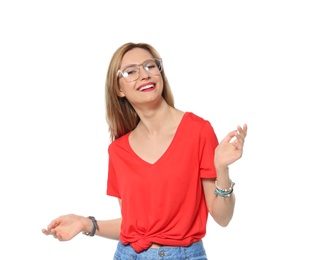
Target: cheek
x=124, y=87
x=160, y=83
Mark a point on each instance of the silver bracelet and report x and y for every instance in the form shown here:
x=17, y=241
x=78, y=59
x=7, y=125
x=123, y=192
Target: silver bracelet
x=224, y=192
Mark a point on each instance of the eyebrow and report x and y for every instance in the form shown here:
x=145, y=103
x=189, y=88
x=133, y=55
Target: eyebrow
x=135, y=64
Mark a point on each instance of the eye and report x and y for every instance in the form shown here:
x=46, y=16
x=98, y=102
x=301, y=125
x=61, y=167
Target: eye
x=149, y=65
x=129, y=71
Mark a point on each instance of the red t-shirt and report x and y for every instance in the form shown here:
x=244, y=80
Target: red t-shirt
x=164, y=202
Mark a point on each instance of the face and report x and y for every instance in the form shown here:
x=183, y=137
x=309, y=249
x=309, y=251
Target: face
x=148, y=86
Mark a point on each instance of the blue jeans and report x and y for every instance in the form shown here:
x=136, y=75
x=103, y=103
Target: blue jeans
x=195, y=251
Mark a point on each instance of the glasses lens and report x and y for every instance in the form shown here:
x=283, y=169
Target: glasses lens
x=153, y=67
x=131, y=73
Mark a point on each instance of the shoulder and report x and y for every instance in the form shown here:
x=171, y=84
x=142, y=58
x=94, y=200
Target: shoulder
x=190, y=117
x=119, y=143
x=198, y=125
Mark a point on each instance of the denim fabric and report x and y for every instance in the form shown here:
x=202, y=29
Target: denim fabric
x=195, y=251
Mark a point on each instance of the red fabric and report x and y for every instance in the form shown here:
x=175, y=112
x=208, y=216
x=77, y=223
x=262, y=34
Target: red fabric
x=164, y=202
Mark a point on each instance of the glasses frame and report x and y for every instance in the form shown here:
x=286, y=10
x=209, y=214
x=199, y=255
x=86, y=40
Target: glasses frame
x=158, y=61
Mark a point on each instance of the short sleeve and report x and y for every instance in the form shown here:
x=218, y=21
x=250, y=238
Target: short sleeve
x=112, y=181
x=208, y=144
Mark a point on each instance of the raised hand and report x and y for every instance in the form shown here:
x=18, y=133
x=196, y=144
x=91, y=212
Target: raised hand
x=230, y=148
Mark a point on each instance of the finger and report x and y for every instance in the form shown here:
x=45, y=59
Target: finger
x=240, y=138
x=46, y=232
x=58, y=235
x=229, y=136
x=242, y=131
x=237, y=145
x=53, y=224
x=245, y=127
x=55, y=234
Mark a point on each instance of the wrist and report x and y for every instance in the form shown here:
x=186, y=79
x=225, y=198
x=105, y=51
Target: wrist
x=224, y=192
x=90, y=226
x=223, y=178
x=86, y=224
x=221, y=170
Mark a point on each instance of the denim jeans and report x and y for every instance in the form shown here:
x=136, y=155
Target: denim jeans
x=195, y=251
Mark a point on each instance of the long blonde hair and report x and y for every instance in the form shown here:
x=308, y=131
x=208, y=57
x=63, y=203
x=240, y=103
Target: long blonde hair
x=120, y=115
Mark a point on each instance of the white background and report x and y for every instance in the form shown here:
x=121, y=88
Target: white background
x=231, y=62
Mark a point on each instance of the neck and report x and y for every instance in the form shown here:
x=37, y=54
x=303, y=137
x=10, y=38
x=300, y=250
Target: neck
x=154, y=120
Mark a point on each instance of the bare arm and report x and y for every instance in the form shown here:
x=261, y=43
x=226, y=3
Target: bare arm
x=66, y=227
x=226, y=153
x=108, y=228
x=221, y=209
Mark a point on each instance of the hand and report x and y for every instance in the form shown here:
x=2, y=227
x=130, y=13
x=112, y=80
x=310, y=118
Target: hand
x=228, y=150
x=65, y=227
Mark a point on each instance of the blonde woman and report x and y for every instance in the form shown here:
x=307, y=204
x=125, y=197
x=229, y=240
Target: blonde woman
x=166, y=166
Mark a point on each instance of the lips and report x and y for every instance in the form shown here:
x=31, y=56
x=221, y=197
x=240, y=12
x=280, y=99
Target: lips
x=146, y=87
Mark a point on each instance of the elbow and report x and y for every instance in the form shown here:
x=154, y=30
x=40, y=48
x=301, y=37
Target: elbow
x=222, y=221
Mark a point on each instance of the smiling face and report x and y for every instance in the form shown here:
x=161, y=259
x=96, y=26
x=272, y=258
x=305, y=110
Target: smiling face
x=148, y=87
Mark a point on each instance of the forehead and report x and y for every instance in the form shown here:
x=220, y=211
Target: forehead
x=135, y=56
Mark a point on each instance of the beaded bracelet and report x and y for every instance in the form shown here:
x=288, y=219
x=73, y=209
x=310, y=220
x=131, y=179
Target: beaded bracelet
x=225, y=193
x=95, y=227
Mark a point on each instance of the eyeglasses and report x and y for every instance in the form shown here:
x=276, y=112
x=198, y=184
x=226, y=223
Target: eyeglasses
x=131, y=72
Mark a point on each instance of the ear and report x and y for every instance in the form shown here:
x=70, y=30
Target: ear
x=120, y=93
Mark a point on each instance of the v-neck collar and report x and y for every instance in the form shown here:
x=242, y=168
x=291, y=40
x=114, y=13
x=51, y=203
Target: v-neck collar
x=162, y=157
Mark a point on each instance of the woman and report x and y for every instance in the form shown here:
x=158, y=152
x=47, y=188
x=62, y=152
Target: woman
x=166, y=166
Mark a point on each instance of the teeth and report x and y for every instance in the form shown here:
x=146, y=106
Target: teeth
x=145, y=87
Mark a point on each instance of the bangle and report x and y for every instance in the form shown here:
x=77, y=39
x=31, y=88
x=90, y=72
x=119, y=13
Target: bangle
x=224, y=192
x=95, y=227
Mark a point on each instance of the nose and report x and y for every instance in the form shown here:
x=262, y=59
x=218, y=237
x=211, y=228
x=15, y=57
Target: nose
x=143, y=74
